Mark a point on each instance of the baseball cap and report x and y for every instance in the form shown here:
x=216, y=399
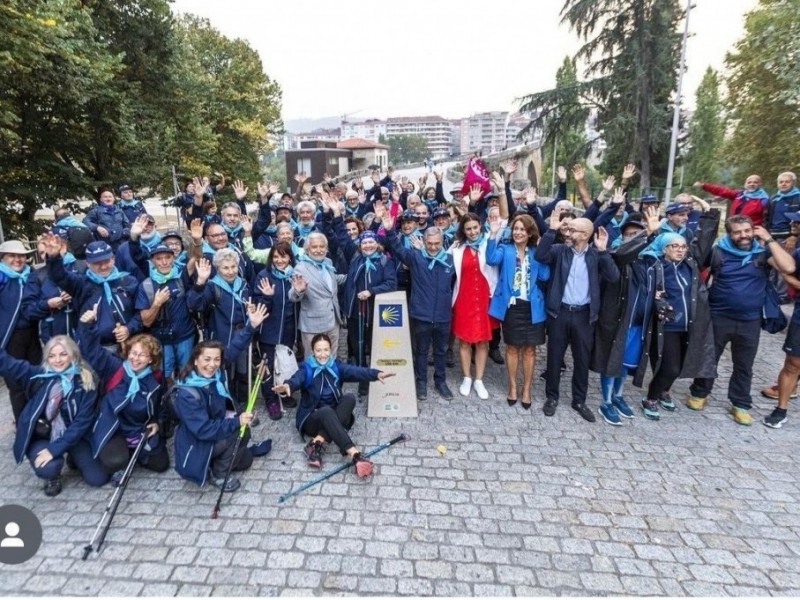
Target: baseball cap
x=674, y=208
x=96, y=252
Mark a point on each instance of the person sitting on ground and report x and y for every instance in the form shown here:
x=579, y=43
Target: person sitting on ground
x=58, y=414
x=325, y=414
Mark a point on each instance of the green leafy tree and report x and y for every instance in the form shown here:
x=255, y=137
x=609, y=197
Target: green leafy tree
x=407, y=148
x=764, y=92
x=706, y=132
x=630, y=49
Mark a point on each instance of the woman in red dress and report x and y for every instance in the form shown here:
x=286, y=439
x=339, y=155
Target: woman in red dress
x=475, y=283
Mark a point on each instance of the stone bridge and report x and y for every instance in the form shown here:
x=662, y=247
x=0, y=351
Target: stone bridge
x=529, y=165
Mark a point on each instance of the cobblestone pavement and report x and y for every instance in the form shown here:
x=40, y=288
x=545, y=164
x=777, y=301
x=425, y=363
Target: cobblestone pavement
x=519, y=504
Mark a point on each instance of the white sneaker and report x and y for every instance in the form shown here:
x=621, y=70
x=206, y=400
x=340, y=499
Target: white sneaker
x=480, y=390
x=466, y=386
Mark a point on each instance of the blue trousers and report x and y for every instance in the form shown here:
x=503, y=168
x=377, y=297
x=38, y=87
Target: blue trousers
x=176, y=355
x=81, y=453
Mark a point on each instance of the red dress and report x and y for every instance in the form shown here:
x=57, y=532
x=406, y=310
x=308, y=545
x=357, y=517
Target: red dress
x=471, y=320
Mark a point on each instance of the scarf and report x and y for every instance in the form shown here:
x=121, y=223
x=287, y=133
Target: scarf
x=371, y=259
x=656, y=247
x=406, y=239
x=756, y=194
x=133, y=386
x=440, y=257
x=161, y=278
x=351, y=212
x=322, y=265
x=64, y=376
x=20, y=276
x=665, y=227
x=128, y=203
x=302, y=231
x=297, y=251
x=281, y=275
x=151, y=242
x=104, y=281
x=232, y=231
x=235, y=290
x=181, y=260
x=70, y=221
x=475, y=244
x=328, y=367
x=68, y=258
x=781, y=195
x=724, y=243
x=194, y=379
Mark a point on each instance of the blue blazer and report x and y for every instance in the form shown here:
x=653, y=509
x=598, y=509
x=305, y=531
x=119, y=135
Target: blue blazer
x=505, y=257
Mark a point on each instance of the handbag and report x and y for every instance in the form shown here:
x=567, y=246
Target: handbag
x=285, y=364
x=772, y=318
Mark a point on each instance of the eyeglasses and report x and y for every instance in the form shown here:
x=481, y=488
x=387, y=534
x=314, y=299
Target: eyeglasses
x=138, y=355
x=678, y=246
x=173, y=244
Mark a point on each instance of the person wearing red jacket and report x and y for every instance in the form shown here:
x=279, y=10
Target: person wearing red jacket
x=751, y=201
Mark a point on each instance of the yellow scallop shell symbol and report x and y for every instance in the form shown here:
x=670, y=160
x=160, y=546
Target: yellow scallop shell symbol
x=390, y=315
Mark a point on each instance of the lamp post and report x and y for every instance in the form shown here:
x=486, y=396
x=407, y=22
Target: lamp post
x=677, y=110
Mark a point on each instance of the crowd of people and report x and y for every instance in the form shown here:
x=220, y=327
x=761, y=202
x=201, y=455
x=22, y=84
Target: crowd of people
x=116, y=331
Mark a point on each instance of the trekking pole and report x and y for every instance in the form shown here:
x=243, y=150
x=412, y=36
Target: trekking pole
x=328, y=474
x=114, y=502
x=251, y=400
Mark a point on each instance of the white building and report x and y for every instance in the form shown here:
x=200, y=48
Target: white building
x=484, y=131
x=368, y=129
x=436, y=130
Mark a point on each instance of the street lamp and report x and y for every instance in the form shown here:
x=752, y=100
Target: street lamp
x=673, y=144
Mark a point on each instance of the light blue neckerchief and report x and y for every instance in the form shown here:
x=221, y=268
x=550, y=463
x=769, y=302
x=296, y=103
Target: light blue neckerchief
x=232, y=231
x=20, y=276
x=235, y=290
x=724, y=243
x=475, y=244
x=68, y=258
x=781, y=195
x=66, y=376
x=371, y=259
x=161, y=278
x=151, y=242
x=322, y=265
x=194, y=379
x=70, y=221
x=406, y=238
x=320, y=368
x=756, y=194
x=440, y=257
x=281, y=275
x=302, y=231
x=133, y=386
x=113, y=276
x=665, y=227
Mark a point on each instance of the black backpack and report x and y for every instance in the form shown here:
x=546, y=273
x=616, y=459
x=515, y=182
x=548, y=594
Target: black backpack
x=77, y=240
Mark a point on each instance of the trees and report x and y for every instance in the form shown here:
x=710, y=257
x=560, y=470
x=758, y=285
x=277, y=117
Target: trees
x=407, y=148
x=100, y=92
x=764, y=92
x=706, y=132
x=630, y=53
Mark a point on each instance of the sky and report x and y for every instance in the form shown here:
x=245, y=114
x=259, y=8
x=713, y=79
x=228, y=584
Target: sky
x=425, y=57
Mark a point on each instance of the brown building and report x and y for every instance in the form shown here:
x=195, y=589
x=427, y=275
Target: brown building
x=317, y=157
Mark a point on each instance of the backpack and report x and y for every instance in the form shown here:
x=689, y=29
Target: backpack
x=150, y=290
x=168, y=400
x=77, y=240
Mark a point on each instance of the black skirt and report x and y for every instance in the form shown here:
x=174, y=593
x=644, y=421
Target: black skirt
x=518, y=329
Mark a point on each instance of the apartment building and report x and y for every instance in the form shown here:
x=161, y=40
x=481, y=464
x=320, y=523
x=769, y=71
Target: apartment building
x=436, y=130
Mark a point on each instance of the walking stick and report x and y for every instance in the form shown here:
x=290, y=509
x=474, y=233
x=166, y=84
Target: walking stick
x=114, y=502
x=328, y=474
x=251, y=400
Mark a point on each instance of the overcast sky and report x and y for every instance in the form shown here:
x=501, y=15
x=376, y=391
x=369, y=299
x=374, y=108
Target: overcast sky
x=423, y=57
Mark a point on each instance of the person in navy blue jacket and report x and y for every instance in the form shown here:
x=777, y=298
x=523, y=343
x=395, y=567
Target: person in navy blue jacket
x=369, y=273
x=130, y=401
x=518, y=300
x=19, y=294
x=132, y=207
x=107, y=221
x=430, y=309
x=277, y=291
x=324, y=413
x=117, y=320
x=224, y=305
x=209, y=425
x=143, y=234
x=58, y=414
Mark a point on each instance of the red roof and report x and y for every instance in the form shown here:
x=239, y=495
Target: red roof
x=359, y=144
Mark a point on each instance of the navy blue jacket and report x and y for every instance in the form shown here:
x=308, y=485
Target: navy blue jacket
x=599, y=265
x=17, y=305
x=52, y=322
x=737, y=291
x=116, y=413
x=113, y=219
x=432, y=292
x=86, y=294
x=77, y=408
x=201, y=412
x=132, y=210
x=224, y=315
x=174, y=321
x=322, y=390
x=280, y=326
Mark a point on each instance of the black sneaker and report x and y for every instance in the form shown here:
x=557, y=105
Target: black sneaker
x=550, y=407
x=444, y=391
x=422, y=391
x=313, y=452
x=231, y=485
x=584, y=411
x=53, y=487
x=494, y=354
x=776, y=419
